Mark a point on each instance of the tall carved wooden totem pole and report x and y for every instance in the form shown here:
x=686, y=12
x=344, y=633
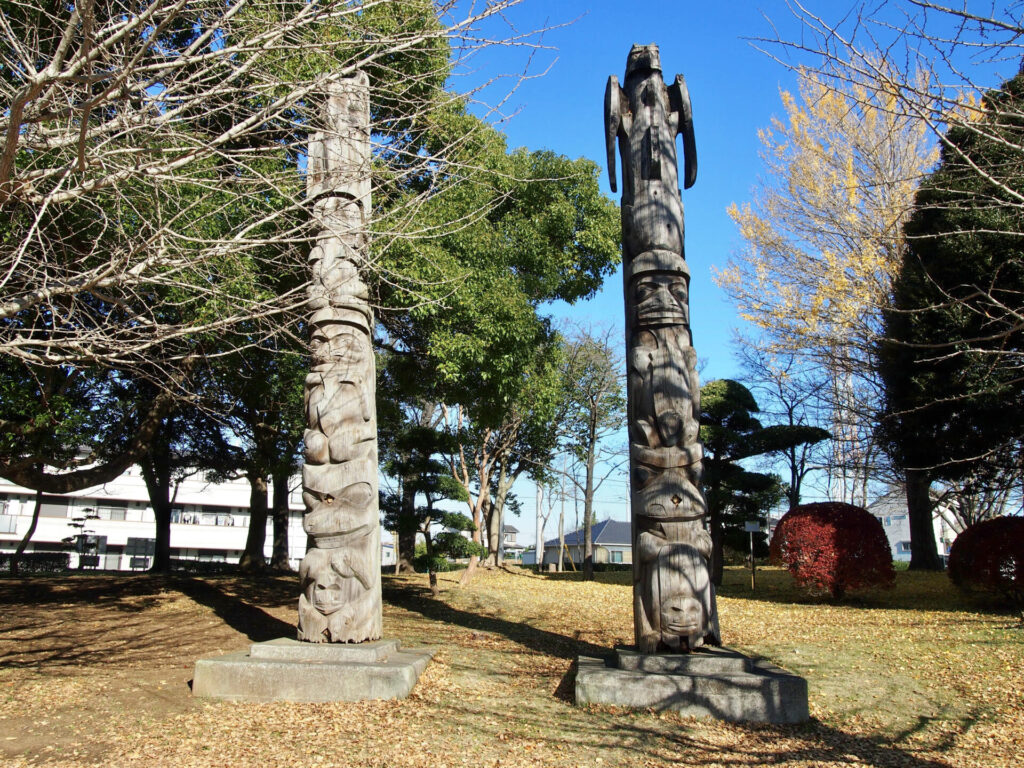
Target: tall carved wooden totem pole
x=344, y=657
x=673, y=598
x=340, y=575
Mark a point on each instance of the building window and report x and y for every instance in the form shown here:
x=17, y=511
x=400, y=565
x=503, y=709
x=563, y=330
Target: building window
x=899, y=517
x=903, y=546
x=8, y=524
x=110, y=509
x=139, y=547
x=616, y=556
x=888, y=521
x=54, y=506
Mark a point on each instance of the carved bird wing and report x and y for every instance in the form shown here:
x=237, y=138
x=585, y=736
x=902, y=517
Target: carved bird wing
x=612, y=121
x=679, y=98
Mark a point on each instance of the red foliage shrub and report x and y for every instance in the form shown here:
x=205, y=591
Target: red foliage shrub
x=833, y=547
x=989, y=557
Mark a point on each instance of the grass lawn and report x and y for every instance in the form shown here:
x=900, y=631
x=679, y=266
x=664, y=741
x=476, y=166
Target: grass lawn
x=94, y=670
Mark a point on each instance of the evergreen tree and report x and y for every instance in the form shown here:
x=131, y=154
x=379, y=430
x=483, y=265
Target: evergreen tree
x=730, y=433
x=460, y=308
x=953, y=340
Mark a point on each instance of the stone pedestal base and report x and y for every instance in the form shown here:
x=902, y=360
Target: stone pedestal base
x=289, y=670
x=711, y=682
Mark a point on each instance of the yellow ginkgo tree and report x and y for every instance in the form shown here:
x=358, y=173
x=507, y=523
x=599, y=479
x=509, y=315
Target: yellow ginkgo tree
x=822, y=240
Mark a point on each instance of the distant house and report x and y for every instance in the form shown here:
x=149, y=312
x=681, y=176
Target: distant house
x=891, y=511
x=612, y=540
x=512, y=549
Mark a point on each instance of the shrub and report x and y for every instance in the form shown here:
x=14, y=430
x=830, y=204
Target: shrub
x=424, y=563
x=989, y=557
x=611, y=567
x=833, y=547
x=203, y=566
x=38, y=562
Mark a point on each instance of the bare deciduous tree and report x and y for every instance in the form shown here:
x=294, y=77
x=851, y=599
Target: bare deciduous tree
x=151, y=173
x=940, y=62
x=823, y=240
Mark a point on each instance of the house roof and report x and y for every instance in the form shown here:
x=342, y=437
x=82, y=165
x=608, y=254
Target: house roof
x=605, y=532
x=891, y=502
x=509, y=529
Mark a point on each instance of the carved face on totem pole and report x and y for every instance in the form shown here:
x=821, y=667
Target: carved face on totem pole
x=336, y=584
x=661, y=298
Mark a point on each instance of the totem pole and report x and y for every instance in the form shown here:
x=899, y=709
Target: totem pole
x=340, y=574
x=673, y=598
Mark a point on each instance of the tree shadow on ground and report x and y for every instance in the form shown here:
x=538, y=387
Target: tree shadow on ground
x=642, y=737
x=252, y=621
x=812, y=743
x=418, y=599
x=123, y=593
x=52, y=649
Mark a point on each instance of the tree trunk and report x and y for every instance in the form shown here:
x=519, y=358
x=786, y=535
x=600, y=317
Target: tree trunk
x=711, y=496
x=467, y=574
x=156, y=472
x=538, y=538
x=281, y=514
x=490, y=524
x=496, y=516
x=158, y=486
x=588, y=549
x=795, y=476
x=252, y=560
x=588, y=502
x=561, y=537
x=924, y=555
x=474, y=560
x=717, y=546
x=28, y=534
x=431, y=573
x=407, y=526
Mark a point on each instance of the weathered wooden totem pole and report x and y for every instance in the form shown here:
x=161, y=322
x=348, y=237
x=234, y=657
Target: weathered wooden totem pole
x=673, y=598
x=340, y=575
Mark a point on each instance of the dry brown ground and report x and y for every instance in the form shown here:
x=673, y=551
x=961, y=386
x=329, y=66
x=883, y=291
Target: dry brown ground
x=94, y=670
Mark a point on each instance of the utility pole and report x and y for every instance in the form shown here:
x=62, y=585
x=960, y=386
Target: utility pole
x=540, y=529
x=561, y=522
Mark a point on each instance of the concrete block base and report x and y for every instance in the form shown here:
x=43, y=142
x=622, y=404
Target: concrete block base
x=711, y=682
x=289, y=670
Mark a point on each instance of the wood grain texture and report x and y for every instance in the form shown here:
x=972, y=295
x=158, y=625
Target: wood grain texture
x=673, y=598
x=340, y=575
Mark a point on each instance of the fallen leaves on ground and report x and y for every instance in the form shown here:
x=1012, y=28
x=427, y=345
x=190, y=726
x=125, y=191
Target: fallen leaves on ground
x=94, y=671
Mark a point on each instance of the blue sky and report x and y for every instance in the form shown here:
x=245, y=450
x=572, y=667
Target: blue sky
x=734, y=89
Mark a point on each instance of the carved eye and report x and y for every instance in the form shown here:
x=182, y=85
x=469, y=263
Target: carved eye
x=642, y=475
x=645, y=289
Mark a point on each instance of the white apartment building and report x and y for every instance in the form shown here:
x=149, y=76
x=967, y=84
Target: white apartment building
x=209, y=523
